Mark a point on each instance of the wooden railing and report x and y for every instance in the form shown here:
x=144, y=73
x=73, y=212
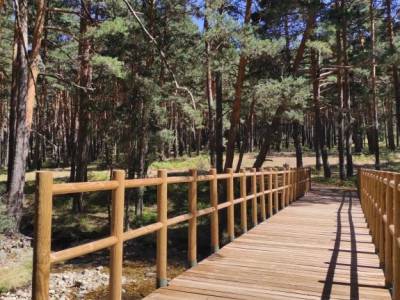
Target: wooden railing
x=380, y=200
x=282, y=187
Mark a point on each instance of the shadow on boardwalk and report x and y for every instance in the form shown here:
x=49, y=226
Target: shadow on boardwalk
x=347, y=198
x=317, y=248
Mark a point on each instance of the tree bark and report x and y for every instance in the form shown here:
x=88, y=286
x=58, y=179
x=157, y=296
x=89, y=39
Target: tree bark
x=272, y=132
x=219, y=146
x=297, y=144
x=395, y=74
x=310, y=24
x=246, y=133
x=340, y=87
x=17, y=181
x=209, y=94
x=373, y=86
x=319, y=130
x=13, y=107
x=347, y=100
x=28, y=71
x=85, y=81
x=235, y=115
x=390, y=128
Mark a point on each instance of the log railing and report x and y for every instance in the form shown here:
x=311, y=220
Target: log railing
x=380, y=200
x=281, y=186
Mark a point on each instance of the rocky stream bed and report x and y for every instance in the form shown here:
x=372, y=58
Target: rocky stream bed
x=71, y=281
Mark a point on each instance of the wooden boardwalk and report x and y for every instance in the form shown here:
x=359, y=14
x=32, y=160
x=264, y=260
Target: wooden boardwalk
x=317, y=248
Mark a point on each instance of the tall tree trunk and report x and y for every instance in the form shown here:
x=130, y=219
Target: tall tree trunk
x=310, y=24
x=395, y=73
x=219, y=146
x=85, y=81
x=40, y=107
x=13, y=107
x=270, y=136
x=274, y=132
x=390, y=128
x=297, y=144
x=16, y=189
x=235, y=115
x=319, y=130
x=247, y=131
x=209, y=94
x=28, y=71
x=358, y=135
x=373, y=85
x=340, y=86
x=347, y=99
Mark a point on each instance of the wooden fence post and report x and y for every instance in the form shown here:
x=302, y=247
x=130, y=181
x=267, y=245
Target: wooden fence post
x=283, y=193
x=359, y=183
x=362, y=180
x=214, y=214
x=370, y=194
x=117, y=230
x=276, y=185
x=368, y=186
x=296, y=179
x=287, y=183
x=388, y=237
x=270, y=195
x=192, y=251
x=262, y=190
x=42, y=241
x=377, y=216
x=162, y=209
x=243, y=205
x=396, y=241
x=375, y=212
x=291, y=185
x=254, y=200
x=231, y=208
x=382, y=212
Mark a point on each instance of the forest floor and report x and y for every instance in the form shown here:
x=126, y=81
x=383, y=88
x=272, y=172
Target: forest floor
x=70, y=229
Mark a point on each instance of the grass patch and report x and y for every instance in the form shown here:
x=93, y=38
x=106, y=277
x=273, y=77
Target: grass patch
x=335, y=181
x=318, y=177
x=200, y=162
x=18, y=274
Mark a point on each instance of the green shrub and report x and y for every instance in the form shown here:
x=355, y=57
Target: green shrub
x=6, y=223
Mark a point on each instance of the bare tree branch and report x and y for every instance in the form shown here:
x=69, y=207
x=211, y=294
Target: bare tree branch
x=162, y=54
x=61, y=78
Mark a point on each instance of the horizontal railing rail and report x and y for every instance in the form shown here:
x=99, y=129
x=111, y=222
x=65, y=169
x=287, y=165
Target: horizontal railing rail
x=282, y=187
x=380, y=200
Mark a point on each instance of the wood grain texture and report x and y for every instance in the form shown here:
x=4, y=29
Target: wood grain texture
x=317, y=248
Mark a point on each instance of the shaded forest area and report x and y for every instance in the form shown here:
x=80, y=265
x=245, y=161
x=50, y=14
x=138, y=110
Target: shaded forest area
x=123, y=84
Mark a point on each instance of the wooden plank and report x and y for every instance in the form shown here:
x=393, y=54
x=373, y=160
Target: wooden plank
x=317, y=248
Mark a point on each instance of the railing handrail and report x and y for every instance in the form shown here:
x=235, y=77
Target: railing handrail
x=380, y=200
x=293, y=183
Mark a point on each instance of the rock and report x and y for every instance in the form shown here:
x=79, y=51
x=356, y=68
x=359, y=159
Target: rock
x=62, y=285
x=150, y=274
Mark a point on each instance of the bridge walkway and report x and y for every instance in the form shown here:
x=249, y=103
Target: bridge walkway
x=317, y=248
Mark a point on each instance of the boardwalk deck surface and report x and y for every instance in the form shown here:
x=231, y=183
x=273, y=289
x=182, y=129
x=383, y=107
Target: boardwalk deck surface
x=317, y=248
